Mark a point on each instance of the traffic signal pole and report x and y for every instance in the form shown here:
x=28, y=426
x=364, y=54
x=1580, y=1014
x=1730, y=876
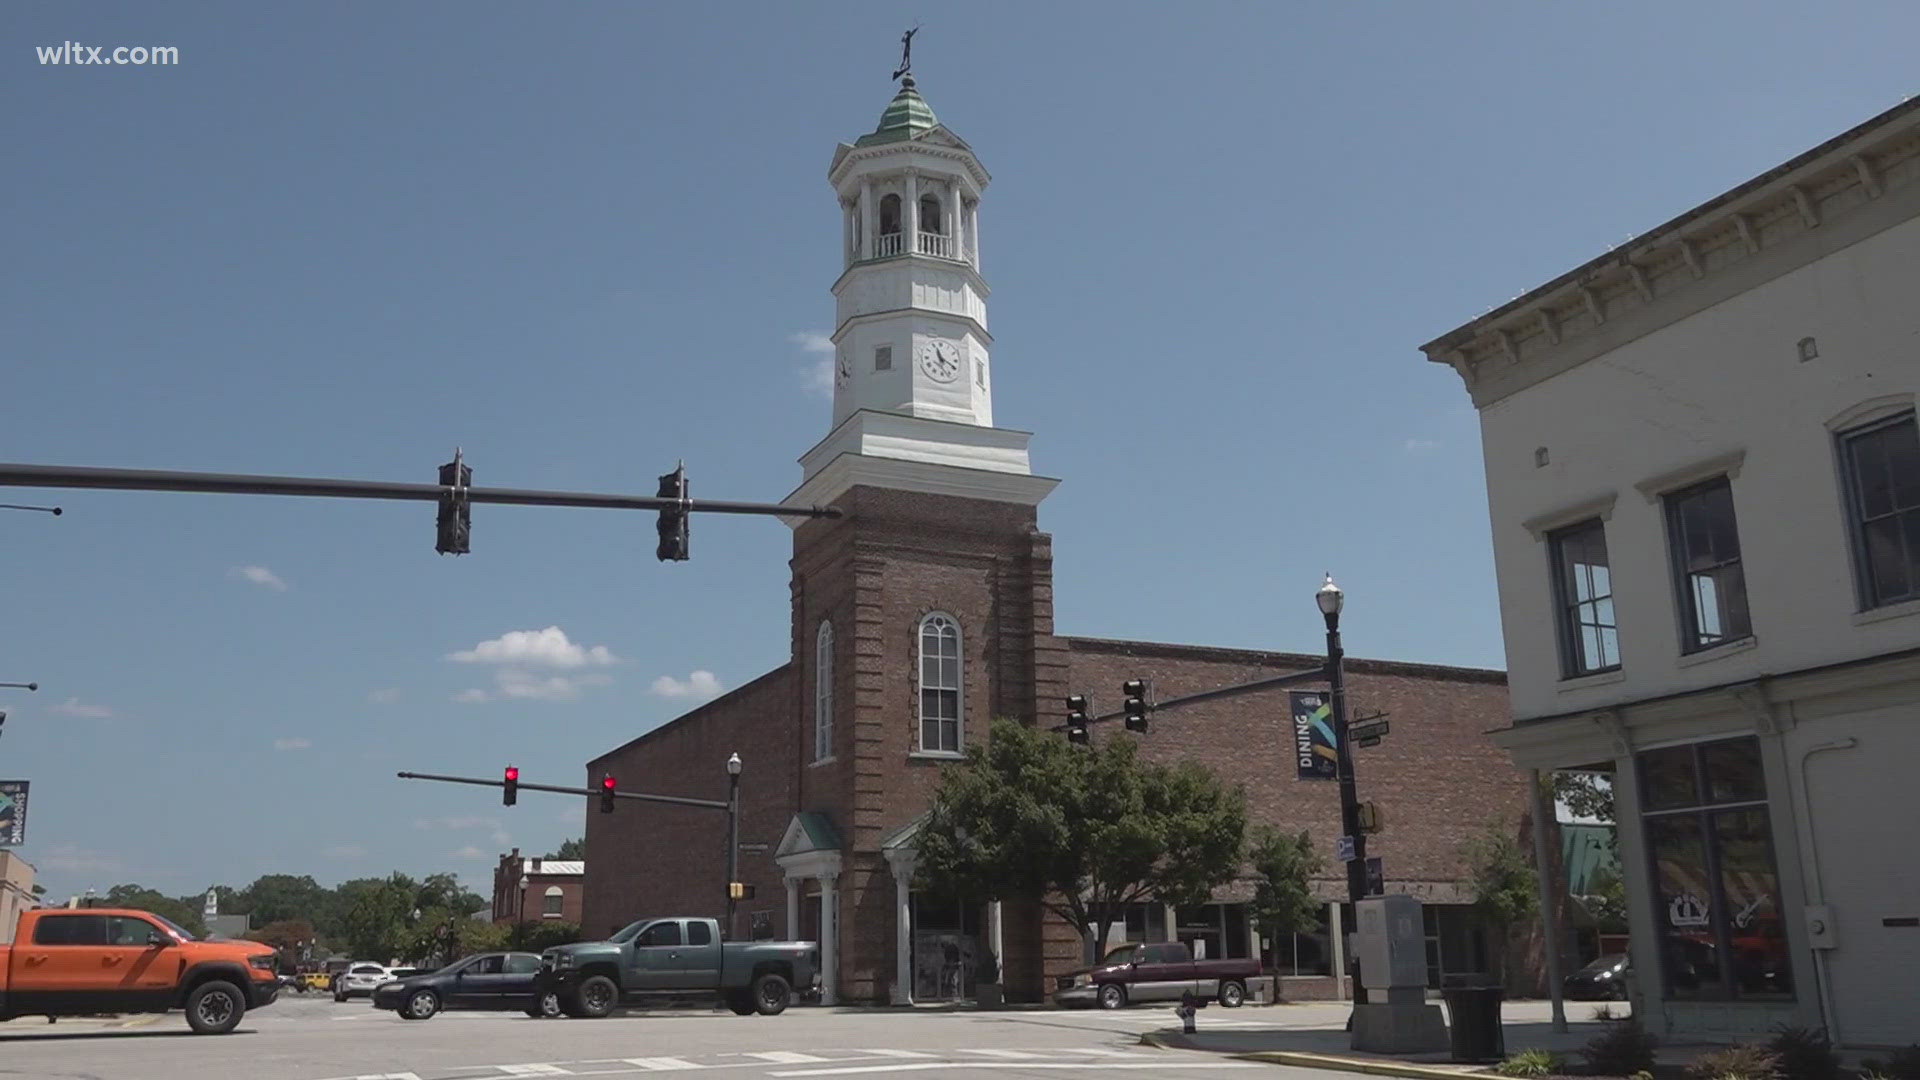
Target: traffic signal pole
x=677, y=800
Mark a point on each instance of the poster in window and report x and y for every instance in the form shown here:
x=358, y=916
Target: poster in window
x=13, y=813
x=1315, y=751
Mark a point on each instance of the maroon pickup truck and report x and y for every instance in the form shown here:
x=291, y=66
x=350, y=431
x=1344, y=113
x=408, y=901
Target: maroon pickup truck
x=1156, y=972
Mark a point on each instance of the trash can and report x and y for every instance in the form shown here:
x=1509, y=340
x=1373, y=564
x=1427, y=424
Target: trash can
x=1473, y=1023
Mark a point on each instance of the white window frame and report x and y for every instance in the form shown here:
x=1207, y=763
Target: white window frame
x=941, y=621
x=553, y=902
x=823, y=692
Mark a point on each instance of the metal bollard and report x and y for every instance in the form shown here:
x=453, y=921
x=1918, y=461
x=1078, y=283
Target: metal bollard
x=1186, y=1013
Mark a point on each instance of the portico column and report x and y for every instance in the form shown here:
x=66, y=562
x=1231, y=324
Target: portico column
x=911, y=217
x=902, y=928
x=829, y=939
x=869, y=226
x=793, y=909
x=1337, y=939
x=996, y=938
x=973, y=232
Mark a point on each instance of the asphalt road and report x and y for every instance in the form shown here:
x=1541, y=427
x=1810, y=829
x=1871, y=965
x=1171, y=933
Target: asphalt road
x=314, y=1038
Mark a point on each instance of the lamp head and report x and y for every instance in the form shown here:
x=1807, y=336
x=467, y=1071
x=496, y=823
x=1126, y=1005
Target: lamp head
x=733, y=765
x=1330, y=598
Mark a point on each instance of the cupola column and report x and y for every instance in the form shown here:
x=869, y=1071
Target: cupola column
x=869, y=223
x=973, y=232
x=911, y=226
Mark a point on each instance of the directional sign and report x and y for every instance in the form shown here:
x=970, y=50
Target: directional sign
x=757, y=847
x=1343, y=849
x=1367, y=733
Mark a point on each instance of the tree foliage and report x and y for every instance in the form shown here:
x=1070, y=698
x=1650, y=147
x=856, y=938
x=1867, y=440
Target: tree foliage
x=139, y=897
x=1082, y=831
x=1587, y=794
x=1504, y=887
x=575, y=848
x=1283, y=867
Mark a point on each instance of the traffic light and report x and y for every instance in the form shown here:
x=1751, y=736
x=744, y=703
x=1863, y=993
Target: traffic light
x=1370, y=817
x=455, y=523
x=510, y=790
x=673, y=521
x=1077, y=719
x=1135, y=706
x=739, y=890
x=607, y=787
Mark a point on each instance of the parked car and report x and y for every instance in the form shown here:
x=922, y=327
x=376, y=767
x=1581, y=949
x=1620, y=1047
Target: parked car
x=488, y=981
x=677, y=957
x=1605, y=979
x=79, y=961
x=1163, y=971
x=360, y=978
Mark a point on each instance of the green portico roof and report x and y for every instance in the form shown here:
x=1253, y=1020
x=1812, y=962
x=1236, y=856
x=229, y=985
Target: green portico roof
x=908, y=116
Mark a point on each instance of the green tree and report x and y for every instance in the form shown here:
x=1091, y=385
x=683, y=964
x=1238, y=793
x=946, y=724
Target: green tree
x=1608, y=901
x=1504, y=888
x=376, y=921
x=1283, y=903
x=1587, y=794
x=575, y=848
x=276, y=898
x=1084, y=832
x=141, y=898
x=545, y=934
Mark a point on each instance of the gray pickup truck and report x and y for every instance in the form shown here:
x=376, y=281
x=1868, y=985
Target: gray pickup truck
x=677, y=957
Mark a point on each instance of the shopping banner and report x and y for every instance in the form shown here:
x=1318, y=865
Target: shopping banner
x=13, y=813
x=1315, y=751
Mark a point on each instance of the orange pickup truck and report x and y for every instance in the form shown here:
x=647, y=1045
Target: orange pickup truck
x=74, y=962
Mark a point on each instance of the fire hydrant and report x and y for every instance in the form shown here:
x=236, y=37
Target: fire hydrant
x=1185, y=1012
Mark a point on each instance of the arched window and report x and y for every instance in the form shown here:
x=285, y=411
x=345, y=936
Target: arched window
x=930, y=215
x=889, y=214
x=552, y=903
x=940, y=692
x=823, y=692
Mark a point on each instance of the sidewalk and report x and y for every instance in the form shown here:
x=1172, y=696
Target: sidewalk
x=1313, y=1036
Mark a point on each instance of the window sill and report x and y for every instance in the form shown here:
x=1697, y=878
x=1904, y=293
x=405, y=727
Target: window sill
x=936, y=755
x=1890, y=611
x=1582, y=682
x=817, y=762
x=1716, y=652
x=554, y=915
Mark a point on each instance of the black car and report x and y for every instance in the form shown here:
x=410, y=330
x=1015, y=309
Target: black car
x=1605, y=979
x=502, y=981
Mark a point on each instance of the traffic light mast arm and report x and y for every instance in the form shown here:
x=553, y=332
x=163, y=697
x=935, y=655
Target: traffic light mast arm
x=1290, y=679
x=75, y=476
x=677, y=800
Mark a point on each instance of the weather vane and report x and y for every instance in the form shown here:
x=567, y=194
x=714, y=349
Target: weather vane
x=906, y=52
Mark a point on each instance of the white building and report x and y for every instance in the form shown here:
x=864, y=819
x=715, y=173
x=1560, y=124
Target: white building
x=1705, y=493
x=16, y=892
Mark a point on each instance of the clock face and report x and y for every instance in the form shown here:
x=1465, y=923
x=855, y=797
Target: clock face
x=842, y=371
x=940, y=360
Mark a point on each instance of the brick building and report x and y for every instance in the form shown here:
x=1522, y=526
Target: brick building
x=532, y=890
x=927, y=610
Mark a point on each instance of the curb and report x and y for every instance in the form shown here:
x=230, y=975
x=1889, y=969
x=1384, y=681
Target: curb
x=1329, y=1062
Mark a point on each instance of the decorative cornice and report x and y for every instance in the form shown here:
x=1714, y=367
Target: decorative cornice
x=847, y=158
x=1600, y=506
x=1731, y=243
x=1727, y=465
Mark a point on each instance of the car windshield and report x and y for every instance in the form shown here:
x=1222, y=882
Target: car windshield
x=178, y=931
x=1605, y=963
x=628, y=932
x=1120, y=955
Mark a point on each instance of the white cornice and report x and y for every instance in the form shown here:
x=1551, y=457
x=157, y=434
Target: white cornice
x=848, y=471
x=932, y=262
x=973, y=324
x=1849, y=188
x=847, y=158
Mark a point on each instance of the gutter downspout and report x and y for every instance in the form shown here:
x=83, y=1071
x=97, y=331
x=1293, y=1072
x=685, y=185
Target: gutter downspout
x=1543, y=816
x=1815, y=890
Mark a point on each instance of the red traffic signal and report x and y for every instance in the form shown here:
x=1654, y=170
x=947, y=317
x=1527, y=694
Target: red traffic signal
x=510, y=789
x=607, y=788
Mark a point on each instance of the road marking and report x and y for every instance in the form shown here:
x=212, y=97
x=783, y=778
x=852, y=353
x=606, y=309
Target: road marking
x=784, y=1057
x=662, y=1064
x=1015, y=1054
x=924, y=1066
x=533, y=1070
x=899, y=1053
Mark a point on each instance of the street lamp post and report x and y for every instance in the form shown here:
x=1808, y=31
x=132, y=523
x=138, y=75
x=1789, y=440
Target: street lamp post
x=520, y=920
x=1331, y=600
x=733, y=836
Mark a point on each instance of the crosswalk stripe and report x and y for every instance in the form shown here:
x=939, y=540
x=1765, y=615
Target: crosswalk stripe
x=899, y=1053
x=1023, y=1055
x=785, y=1057
x=534, y=1070
x=661, y=1064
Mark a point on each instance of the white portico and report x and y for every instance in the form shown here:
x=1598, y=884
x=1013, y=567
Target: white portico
x=810, y=851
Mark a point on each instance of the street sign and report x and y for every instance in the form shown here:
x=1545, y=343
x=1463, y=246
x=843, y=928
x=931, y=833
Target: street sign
x=758, y=847
x=1368, y=732
x=1343, y=849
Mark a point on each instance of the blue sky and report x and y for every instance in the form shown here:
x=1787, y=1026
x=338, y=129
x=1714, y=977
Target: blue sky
x=582, y=241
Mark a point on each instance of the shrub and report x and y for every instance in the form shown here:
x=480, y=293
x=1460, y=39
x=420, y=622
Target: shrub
x=1530, y=1063
x=1903, y=1065
x=1805, y=1054
x=1736, y=1063
x=1623, y=1049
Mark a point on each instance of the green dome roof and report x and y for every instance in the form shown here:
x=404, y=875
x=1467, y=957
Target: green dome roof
x=908, y=116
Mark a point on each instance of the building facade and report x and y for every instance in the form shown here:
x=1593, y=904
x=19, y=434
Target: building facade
x=927, y=610
x=16, y=892
x=536, y=889
x=1705, y=498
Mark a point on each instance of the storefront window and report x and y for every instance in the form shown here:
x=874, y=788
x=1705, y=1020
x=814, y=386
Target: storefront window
x=1715, y=887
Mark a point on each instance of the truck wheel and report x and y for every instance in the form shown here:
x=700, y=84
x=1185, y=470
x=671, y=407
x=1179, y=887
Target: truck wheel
x=771, y=994
x=215, y=1008
x=1113, y=996
x=421, y=1005
x=741, y=1002
x=594, y=998
x=1233, y=994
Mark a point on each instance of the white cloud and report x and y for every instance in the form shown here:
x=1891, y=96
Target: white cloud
x=457, y=822
x=515, y=683
x=385, y=697
x=470, y=852
x=343, y=851
x=502, y=837
x=1422, y=446
x=291, y=744
x=73, y=707
x=539, y=648
x=817, y=373
x=700, y=685
x=470, y=696
x=260, y=576
x=73, y=858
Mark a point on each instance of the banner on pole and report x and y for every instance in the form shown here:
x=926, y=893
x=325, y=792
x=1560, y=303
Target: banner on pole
x=13, y=813
x=1315, y=751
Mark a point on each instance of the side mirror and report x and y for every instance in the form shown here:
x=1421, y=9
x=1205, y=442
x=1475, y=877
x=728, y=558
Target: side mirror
x=158, y=940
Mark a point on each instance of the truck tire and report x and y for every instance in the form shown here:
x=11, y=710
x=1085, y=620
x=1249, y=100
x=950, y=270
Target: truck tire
x=215, y=1007
x=421, y=1005
x=1233, y=994
x=741, y=1002
x=1112, y=996
x=594, y=998
x=771, y=994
